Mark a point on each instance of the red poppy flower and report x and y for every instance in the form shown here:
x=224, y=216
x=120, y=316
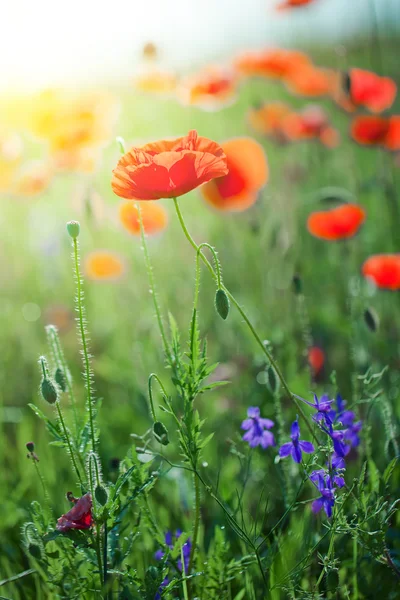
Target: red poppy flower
x=310, y=81
x=211, y=89
x=168, y=168
x=248, y=173
x=377, y=131
x=370, y=90
x=383, y=270
x=311, y=123
x=271, y=63
x=287, y=4
x=79, y=517
x=316, y=359
x=337, y=223
x=269, y=118
x=154, y=217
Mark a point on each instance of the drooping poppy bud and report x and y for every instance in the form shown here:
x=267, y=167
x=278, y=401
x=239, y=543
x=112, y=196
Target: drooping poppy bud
x=297, y=284
x=371, y=319
x=49, y=391
x=160, y=433
x=60, y=379
x=222, y=304
x=30, y=446
x=101, y=495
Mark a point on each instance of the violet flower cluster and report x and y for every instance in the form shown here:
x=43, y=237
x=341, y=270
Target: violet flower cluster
x=256, y=428
x=343, y=440
x=186, y=549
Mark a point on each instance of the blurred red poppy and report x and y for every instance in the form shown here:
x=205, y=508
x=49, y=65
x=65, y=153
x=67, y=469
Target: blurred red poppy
x=275, y=63
x=168, y=168
x=310, y=81
x=338, y=223
x=311, y=123
x=383, y=270
x=79, y=517
x=316, y=359
x=154, y=217
x=211, y=89
x=369, y=130
x=287, y=4
x=268, y=119
x=365, y=88
x=248, y=173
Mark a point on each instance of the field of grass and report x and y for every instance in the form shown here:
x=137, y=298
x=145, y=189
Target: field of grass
x=249, y=544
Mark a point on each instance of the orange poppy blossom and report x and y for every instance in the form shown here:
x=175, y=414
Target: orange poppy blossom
x=168, y=168
x=268, y=120
x=311, y=123
x=316, y=359
x=154, y=217
x=383, y=270
x=369, y=130
x=102, y=265
x=339, y=223
x=278, y=121
x=365, y=88
x=311, y=81
x=275, y=63
x=211, y=89
x=287, y=4
x=248, y=173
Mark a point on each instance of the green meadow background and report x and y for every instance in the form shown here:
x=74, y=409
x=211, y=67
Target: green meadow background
x=260, y=251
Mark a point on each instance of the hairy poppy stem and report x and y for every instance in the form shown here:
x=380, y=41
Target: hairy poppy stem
x=243, y=315
x=71, y=453
x=85, y=351
x=150, y=274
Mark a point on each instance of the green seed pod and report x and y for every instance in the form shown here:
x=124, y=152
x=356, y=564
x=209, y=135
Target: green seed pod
x=160, y=433
x=73, y=229
x=101, y=495
x=30, y=446
x=60, y=379
x=35, y=550
x=222, y=303
x=297, y=284
x=371, y=319
x=49, y=391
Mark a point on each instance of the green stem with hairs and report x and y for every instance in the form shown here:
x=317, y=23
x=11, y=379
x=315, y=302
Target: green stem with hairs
x=86, y=361
x=244, y=317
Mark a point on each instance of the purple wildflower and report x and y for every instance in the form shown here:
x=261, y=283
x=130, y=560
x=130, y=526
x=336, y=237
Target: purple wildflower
x=186, y=548
x=326, y=501
x=256, y=429
x=334, y=478
x=296, y=446
x=323, y=406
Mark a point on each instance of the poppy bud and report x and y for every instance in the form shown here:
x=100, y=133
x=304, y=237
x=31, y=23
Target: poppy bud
x=30, y=446
x=101, y=495
x=297, y=284
x=160, y=433
x=49, y=391
x=272, y=381
x=73, y=228
x=60, y=379
x=152, y=573
x=222, y=303
x=371, y=319
x=35, y=550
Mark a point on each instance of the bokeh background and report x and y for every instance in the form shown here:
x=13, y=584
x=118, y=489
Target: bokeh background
x=89, y=57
